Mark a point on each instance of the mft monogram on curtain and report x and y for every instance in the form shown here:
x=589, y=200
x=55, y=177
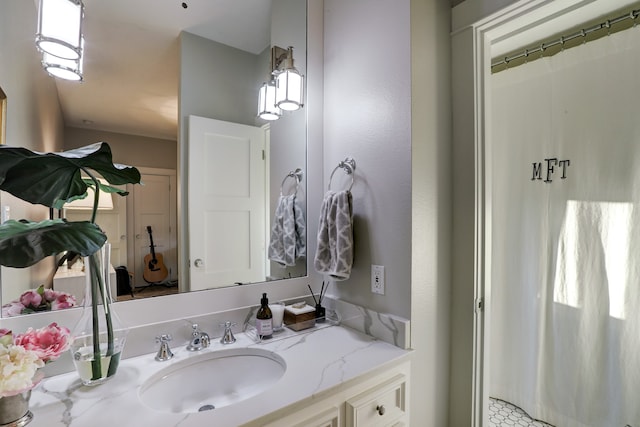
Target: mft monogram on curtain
x=551, y=164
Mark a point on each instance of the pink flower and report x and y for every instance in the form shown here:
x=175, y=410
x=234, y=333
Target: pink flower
x=48, y=342
x=49, y=294
x=31, y=299
x=14, y=308
x=62, y=301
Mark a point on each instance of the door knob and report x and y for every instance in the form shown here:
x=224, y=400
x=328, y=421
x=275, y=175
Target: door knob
x=198, y=263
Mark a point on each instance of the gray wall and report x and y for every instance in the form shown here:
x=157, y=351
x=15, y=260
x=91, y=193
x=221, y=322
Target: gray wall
x=217, y=81
x=288, y=146
x=139, y=151
x=367, y=116
x=387, y=105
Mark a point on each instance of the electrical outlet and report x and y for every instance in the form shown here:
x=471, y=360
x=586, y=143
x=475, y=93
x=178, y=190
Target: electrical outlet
x=377, y=279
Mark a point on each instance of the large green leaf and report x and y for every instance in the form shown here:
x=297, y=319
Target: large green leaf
x=103, y=189
x=51, y=179
x=24, y=243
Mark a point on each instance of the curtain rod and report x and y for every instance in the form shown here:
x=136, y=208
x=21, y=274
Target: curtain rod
x=563, y=39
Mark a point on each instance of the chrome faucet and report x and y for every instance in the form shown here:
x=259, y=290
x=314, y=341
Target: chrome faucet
x=227, y=337
x=199, y=339
x=164, y=352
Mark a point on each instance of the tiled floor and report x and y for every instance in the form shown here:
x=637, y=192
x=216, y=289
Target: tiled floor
x=503, y=413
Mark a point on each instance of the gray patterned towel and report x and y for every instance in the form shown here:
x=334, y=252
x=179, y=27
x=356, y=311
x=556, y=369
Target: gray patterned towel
x=334, y=255
x=289, y=232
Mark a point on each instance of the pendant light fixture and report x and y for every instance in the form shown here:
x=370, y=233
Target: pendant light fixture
x=60, y=28
x=285, y=88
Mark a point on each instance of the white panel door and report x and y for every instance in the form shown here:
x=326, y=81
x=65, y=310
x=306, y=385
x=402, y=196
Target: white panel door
x=226, y=203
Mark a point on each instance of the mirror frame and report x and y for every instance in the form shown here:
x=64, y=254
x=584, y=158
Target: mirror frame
x=3, y=117
x=162, y=309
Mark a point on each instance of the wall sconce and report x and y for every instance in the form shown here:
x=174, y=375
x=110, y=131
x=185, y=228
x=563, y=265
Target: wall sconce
x=60, y=28
x=267, y=108
x=285, y=90
x=289, y=81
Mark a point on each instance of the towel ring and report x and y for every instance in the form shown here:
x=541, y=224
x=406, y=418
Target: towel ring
x=349, y=166
x=297, y=174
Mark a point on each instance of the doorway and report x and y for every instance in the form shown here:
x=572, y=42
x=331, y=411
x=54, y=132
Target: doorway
x=152, y=217
x=475, y=45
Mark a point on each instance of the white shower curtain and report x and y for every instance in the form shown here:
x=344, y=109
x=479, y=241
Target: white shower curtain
x=565, y=256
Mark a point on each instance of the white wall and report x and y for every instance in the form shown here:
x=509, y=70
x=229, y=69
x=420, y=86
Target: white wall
x=386, y=66
x=34, y=119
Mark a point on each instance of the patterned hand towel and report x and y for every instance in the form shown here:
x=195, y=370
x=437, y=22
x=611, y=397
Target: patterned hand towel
x=289, y=232
x=334, y=255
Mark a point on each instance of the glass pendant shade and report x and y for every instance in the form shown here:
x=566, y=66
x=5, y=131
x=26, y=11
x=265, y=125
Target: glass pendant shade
x=267, y=109
x=289, y=89
x=60, y=28
x=67, y=69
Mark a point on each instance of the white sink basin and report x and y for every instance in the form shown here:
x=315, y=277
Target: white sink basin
x=212, y=380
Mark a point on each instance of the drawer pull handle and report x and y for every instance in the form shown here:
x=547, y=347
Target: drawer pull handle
x=380, y=409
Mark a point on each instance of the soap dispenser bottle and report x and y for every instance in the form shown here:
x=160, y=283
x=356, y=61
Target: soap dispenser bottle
x=264, y=322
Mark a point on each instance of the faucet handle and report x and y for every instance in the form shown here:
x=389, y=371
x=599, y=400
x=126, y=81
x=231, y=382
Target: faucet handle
x=164, y=352
x=199, y=339
x=227, y=337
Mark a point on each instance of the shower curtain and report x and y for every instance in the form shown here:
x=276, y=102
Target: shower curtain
x=565, y=248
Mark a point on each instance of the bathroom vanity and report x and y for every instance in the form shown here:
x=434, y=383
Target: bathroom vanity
x=331, y=376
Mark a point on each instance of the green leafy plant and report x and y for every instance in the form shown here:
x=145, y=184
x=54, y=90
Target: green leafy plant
x=53, y=179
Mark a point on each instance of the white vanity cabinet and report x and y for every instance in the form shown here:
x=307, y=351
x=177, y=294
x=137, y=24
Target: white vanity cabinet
x=379, y=399
x=334, y=377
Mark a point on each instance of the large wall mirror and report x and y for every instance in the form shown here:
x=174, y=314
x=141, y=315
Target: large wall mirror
x=149, y=69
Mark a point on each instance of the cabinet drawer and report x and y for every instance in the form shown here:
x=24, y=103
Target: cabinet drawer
x=380, y=406
x=329, y=417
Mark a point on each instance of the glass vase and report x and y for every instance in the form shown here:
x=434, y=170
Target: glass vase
x=14, y=410
x=99, y=335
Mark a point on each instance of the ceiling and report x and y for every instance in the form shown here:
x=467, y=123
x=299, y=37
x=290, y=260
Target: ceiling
x=131, y=58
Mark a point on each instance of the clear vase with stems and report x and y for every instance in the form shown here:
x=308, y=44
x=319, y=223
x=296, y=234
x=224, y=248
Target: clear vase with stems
x=99, y=335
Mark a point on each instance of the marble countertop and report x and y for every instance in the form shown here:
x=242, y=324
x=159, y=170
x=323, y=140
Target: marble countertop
x=317, y=360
